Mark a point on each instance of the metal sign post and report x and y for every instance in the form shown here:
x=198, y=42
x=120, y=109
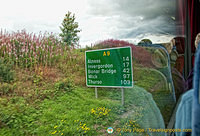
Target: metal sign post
x=96, y=93
x=122, y=89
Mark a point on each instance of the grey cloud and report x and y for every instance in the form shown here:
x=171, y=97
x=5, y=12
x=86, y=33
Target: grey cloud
x=154, y=27
x=146, y=8
x=130, y=18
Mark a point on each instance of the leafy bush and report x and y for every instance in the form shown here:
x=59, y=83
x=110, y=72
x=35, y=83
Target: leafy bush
x=6, y=88
x=64, y=85
x=18, y=115
x=112, y=43
x=37, y=79
x=6, y=74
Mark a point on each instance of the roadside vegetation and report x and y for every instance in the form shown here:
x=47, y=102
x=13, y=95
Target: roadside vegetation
x=43, y=91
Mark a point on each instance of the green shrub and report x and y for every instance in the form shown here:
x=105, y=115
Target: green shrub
x=64, y=85
x=6, y=73
x=17, y=115
x=6, y=88
x=37, y=79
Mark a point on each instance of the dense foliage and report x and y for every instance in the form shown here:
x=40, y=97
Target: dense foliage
x=6, y=73
x=28, y=49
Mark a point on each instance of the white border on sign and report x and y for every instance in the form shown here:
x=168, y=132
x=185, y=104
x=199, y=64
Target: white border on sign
x=109, y=48
x=111, y=86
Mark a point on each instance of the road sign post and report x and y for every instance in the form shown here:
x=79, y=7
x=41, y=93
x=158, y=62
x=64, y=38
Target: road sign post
x=96, y=93
x=122, y=89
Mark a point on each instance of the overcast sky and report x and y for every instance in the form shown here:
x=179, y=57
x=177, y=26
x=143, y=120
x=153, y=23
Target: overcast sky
x=98, y=19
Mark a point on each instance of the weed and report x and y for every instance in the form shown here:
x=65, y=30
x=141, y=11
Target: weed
x=100, y=112
x=6, y=88
x=29, y=50
x=37, y=79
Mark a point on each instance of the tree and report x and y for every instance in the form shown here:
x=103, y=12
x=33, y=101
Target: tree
x=70, y=30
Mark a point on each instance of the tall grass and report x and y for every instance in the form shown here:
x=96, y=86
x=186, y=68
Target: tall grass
x=28, y=49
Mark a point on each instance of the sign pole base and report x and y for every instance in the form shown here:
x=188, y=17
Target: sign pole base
x=122, y=89
x=96, y=93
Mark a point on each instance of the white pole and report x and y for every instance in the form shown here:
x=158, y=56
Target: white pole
x=122, y=96
x=96, y=93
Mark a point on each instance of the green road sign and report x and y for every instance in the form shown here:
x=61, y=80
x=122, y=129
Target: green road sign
x=109, y=67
